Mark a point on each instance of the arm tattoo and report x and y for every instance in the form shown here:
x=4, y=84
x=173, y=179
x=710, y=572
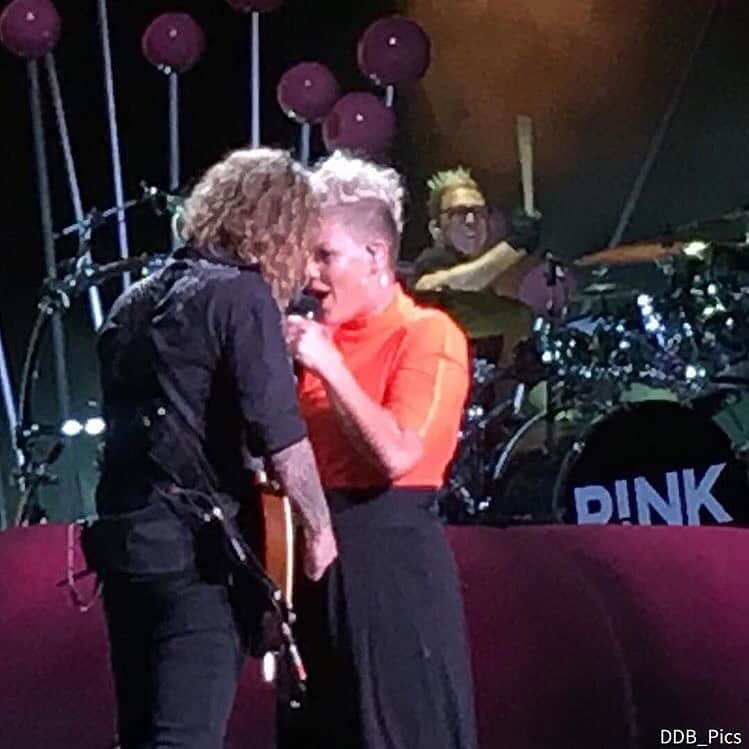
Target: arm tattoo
x=296, y=471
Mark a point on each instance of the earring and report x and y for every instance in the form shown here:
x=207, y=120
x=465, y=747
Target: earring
x=384, y=280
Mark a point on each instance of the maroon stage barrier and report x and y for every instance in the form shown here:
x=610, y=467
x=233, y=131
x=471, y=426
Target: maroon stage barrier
x=599, y=637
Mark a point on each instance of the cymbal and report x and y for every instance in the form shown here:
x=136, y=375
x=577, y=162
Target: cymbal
x=606, y=289
x=728, y=227
x=482, y=314
x=631, y=254
x=602, y=298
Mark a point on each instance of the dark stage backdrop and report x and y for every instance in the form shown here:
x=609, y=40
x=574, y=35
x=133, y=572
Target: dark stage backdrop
x=595, y=75
x=214, y=119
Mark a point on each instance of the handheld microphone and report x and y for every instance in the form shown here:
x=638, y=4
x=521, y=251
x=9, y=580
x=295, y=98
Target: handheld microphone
x=162, y=202
x=305, y=305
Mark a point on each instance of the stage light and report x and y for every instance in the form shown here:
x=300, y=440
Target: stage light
x=95, y=426
x=269, y=668
x=71, y=428
x=695, y=249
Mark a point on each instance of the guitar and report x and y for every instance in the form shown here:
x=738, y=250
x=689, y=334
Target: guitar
x=277, y=534
x=281, y=662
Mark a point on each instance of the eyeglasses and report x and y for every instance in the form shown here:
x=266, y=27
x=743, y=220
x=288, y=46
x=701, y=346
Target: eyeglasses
x=461, y=212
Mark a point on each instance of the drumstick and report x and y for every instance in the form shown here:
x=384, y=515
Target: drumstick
x=525, y=153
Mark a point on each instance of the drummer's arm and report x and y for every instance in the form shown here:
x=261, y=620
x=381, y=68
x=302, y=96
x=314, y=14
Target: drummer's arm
x=475, y=275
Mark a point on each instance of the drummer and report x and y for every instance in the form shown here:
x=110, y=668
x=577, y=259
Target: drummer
x=474, y=251
x=470, y=251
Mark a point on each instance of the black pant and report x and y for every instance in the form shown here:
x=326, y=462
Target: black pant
x=383, y=633
x=176, y=655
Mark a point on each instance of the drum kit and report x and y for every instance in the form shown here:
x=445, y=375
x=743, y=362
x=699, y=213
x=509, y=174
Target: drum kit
x=617, y=405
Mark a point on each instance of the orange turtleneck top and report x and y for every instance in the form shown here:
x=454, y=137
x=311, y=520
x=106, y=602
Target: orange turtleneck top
x=411, y=360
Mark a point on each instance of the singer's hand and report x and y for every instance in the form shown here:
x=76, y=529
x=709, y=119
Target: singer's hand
x=311, y=345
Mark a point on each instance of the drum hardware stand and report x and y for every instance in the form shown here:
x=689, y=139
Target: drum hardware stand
x=739, y=385
x=471, y=435
x=58, y=292
x=568, y=461
x=31, y=473
x=32, y=476
x=454, y=487
x=57, y=296
x=553, y=271
x=508, y=449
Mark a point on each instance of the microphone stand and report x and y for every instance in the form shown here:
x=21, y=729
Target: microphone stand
x=95, y=218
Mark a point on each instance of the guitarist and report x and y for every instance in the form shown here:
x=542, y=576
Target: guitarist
x=195, y=373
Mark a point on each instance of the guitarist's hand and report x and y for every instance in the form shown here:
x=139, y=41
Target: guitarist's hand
x=320, y=551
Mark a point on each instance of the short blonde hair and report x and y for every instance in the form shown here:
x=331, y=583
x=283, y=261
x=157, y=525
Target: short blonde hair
x=342, y=179
x=256, y=206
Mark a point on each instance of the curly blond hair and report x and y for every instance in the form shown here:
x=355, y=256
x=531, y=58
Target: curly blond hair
x=443, y=181
x=342, y=179
x=256, y=206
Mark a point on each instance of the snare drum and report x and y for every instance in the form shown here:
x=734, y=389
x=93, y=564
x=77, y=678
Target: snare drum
x=648, y=463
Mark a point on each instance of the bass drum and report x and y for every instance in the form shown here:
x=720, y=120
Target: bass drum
x=648, y=463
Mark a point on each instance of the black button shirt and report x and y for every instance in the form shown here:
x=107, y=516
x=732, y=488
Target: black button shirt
x=195, y=380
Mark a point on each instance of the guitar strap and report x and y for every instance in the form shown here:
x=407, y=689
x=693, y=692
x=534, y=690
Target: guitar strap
x=210, y=506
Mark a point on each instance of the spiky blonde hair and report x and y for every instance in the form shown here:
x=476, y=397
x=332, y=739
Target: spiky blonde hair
x=449, y=179
x=343, y=179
